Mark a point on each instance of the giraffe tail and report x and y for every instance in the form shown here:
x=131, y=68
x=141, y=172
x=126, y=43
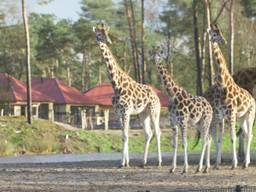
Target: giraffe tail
x=198, y=135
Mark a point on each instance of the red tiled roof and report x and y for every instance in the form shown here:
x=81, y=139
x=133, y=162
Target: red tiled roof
x=14, y=90
x=103, y=93
x=60, y=92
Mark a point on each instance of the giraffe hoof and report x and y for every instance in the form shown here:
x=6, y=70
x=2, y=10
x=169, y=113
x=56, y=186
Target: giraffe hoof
x=245, y=166
x=206, y=170
x=123, y=166
x=198, y=170
x=233, y=167
x=184, y=171
x=172, y=170
x=216, y=167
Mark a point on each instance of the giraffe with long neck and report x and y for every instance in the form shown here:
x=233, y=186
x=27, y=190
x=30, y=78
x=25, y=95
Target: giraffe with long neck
x=246, y=78
x=130, y=98
x=229, y=101
x=185, y=110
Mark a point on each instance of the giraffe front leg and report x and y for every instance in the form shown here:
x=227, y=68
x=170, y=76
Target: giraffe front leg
x=155, y=121
x=205, y=143
x=219, y=145
x=125, y=158
x=185, y=146
x=208, y=153
x=249, y=136
x=175, y=146
x=233, y=140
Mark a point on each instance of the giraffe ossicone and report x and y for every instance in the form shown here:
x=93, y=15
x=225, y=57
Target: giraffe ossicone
x=130, y=98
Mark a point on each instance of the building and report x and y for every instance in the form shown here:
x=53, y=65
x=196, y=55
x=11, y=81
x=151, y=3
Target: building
x=13, y=99
x=70, y=105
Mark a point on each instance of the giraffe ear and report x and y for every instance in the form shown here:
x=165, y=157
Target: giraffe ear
x=94, y=29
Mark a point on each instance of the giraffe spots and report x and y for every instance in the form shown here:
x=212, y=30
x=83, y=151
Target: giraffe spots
x=184, y=94
x=110, y=67
x=175, y=89
x=230, y=95
x=180, y=106
x=125, y=85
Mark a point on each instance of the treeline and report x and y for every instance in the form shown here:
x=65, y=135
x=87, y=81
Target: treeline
x=67, y=49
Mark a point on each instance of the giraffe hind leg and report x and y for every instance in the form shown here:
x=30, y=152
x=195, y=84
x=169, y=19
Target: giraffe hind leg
x=155, y=117
x=125, y=158
x=145, y=118
x=249, y=135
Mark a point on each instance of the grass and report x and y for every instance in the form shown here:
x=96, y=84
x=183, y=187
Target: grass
x=43, y=137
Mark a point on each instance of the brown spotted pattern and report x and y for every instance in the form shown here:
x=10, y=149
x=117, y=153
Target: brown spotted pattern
x=229, y=101
x=185, y=111
x=246, y=78
x=130, y=98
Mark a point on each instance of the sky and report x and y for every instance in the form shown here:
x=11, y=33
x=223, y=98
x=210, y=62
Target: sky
x=68, y=9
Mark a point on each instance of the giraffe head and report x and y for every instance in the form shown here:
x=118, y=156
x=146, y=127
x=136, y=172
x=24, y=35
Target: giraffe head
x=101, y=31
x=157, y=54
x=216, y=34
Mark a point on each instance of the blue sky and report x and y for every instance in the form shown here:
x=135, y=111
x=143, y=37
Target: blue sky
x=68, y=9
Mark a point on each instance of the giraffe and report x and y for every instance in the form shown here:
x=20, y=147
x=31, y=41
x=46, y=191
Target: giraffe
x=130, y=98
x=229, y=101
x=246, y=78
x=185, y=110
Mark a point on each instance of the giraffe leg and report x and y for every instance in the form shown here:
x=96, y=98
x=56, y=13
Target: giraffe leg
x=185, y=146
x=155, y=121
x=233, y=139
x=213, y=129
x=125, y=159
x=175, y=146
x=205, y=142
x=204, y=126
x=249, y=135
x=208, y=153
x=148, y=135
x=219, y=144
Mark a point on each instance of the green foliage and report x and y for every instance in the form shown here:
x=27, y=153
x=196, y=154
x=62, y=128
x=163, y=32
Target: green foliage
x=249, y=7
x=59, y=45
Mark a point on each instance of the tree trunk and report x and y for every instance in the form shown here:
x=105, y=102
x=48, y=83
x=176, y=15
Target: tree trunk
x=129, y=19
x=142, y=78
x=28, y=75
x=197, y=49
x=231, y=38
x=203, y=48
x=83, y=72
x=69, y=76
x=210, y=56
x=134, y=40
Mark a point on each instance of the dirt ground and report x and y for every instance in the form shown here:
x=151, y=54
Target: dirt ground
x=105, y=176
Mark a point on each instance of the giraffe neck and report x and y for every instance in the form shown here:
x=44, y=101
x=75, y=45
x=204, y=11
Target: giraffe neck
x=116, y=74
x=171, y=87
x=222, y=76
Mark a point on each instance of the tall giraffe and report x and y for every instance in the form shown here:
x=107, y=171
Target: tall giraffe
x=246, y=78
x=229, y=101
x=185, y=110
x=130, y=98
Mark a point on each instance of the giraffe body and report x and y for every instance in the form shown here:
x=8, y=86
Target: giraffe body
x=185, y=111
x=131, y=98
x=230, y=102
x=246, y=78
